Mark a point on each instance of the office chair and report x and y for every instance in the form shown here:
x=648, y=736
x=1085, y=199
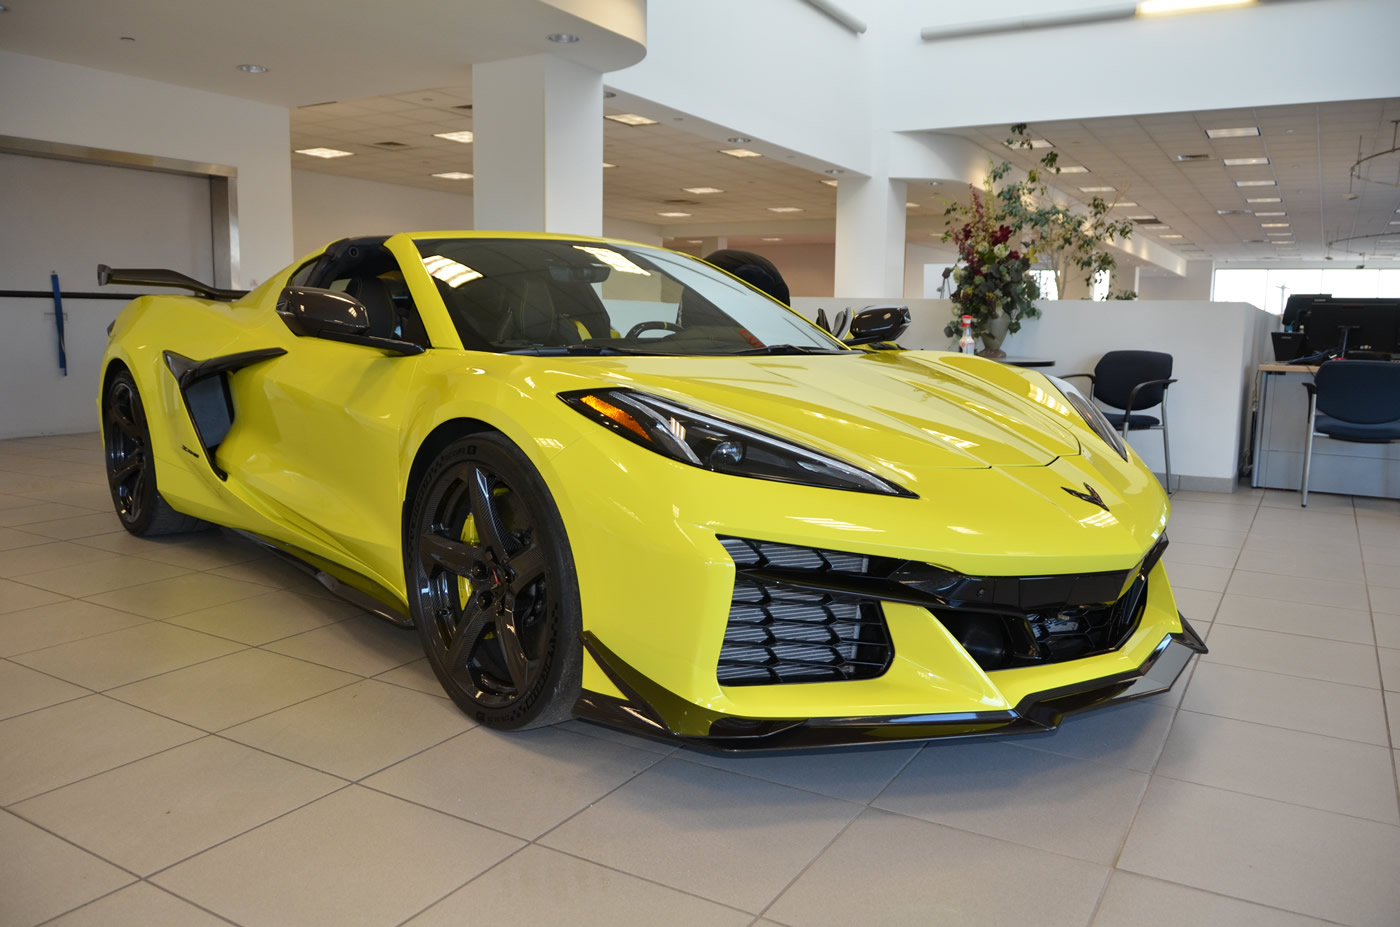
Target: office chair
x=1133, y=380
x=1352, y=400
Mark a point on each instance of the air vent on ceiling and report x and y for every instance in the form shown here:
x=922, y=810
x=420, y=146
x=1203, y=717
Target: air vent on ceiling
x=1233, y=212
x=1146, y=220
x=681, y=202
x=1193, y=157
x=322, y=103
x=463, y=106
x=390, y=146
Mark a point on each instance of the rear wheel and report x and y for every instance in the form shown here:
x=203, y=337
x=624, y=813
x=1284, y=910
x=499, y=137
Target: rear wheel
x=492, y=587
x=131, y=467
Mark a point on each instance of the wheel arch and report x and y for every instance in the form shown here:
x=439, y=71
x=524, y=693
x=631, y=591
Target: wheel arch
x=432, y=445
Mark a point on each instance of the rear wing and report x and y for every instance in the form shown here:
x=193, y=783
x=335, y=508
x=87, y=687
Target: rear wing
x=150, y=276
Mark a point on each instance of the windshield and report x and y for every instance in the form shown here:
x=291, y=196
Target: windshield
x=522, y=295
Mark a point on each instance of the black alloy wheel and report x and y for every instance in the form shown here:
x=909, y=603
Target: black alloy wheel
x=492, y=586
x=131, y=473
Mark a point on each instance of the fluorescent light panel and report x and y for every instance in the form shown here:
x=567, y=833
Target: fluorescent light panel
x=1256, y=183
x=631, y=119
x=740, y=153
x=1099, y=189
x=1035, y=143
x=1073, y=169
x=325, y=152
x=700, y=190
x=464, y=137
x=454, y=175
x=1244, y=162
x=1268, y=199
x=1232, y=133
x=829, y=183
x=1273, y=225
x=1263, y=215
x=784, y=208
x=673, y=215
x=606, y=164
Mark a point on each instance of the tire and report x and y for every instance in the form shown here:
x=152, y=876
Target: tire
x=492, y=588
x=131, y=466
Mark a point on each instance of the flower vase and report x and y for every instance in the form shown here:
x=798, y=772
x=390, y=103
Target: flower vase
x=994, y=335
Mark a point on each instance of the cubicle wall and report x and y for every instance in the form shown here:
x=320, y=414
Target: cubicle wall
x=1215, y=347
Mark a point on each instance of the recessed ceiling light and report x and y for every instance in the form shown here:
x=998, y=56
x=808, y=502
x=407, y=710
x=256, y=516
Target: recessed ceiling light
x=1232, y=133
x=911, y=205
x=325, y=152
x=740, y=153
x=1273, y=225
x=702, y=189
x=454, y=175
x=1172, y=235
x=784, y=208
x=1193, y=157
x=252, y=68
x=562, y=38
x=1244, y=162
x=1034, y=143
x=1232, y=212
x=1099, y=189
x=1262, y=215
x=1279, y=234
x=834, y=170
x=1073, y=169
x=1256, y=183
x=740, y=140
x=464, y=137
x=1284, y=244
x=1143, y=218
x=631, y=119
x=1267, y=199
x=1124, y=204
x=771, y=239
x=934, y=183
x=673, y=215
x=1156, y=228
x=830, y=183
x=606, y=164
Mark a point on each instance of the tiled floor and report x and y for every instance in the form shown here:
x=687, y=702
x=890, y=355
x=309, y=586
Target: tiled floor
x=192, y=734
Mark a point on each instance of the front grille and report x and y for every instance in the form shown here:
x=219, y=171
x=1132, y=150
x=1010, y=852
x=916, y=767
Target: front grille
x=777, y=634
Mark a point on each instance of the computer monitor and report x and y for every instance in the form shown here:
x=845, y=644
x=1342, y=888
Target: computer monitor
x=1358, y=325
x=1297, y=304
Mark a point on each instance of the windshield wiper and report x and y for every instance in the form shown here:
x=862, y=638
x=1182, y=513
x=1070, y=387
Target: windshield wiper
x=792, y=349
x=580, y=350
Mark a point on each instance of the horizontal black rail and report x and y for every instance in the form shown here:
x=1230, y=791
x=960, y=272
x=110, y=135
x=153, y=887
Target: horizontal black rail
x=66, y=294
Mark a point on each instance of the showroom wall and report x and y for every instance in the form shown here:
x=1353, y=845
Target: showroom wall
x=56, y=102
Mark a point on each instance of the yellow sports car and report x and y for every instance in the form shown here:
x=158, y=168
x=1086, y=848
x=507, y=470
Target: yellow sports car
x=610, y=481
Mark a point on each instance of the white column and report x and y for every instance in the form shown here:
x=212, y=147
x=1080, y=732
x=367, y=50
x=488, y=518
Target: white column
x=711, y=245
x=870, y=237
x=538, y=155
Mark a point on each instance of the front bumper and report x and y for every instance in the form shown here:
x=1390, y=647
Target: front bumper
x=648, y=709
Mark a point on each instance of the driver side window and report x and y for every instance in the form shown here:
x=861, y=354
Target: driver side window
x=371, y=274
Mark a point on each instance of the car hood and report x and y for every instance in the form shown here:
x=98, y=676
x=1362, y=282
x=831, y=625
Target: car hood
x=900, y=411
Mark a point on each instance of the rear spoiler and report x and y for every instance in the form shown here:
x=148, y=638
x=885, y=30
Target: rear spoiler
x=141, y=276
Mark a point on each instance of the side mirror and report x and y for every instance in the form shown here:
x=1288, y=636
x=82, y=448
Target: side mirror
x=878, y=323
x=311, y=311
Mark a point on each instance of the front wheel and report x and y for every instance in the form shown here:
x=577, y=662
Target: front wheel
x=131, y=465
x=492, y=587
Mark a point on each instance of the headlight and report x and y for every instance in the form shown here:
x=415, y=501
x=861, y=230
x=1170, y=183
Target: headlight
x=1092, y=415
x=711, y=443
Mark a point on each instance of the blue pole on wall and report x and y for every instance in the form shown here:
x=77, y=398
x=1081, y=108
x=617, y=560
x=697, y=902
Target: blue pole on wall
x=58, y=323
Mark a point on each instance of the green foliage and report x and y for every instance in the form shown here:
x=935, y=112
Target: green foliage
x=1008, y=227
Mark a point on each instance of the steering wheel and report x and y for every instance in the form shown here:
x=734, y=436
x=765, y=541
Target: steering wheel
x=640, y=327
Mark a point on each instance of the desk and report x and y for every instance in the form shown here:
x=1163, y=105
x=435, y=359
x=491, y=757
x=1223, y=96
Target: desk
x=1024, y=361
x=1280, y=432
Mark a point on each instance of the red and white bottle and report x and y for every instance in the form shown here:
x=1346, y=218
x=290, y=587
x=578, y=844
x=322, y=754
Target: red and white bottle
x=967, y=344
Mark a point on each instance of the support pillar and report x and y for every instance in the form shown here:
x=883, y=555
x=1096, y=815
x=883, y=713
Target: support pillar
x=870, y=237
x=538, y=155
x=711, y=245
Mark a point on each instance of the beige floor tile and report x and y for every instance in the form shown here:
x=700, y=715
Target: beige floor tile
x=1137, y=901
x=267, y=617
x=1213, y=537
x=1381, y=532
x=417, y=676
x=1317, y=501
x=894, y=871
x=1200, y=554
x=1340, y=624
x=42, y=876
x=1077, y=808
x=62, y=621
x=52, y=747
x=1300, y=859
x=139, y=905
x=178, y=595
x=1387, y=629
x=81, y=526
x=353, y=858
x=276, y=573
x=36, y=512
x=357, y=730
x=1197, y=605
x=1343, y=566
x=205, y=550
x=1302, y=589
x=1390, y=668
x=16, y=596
x=1190, y=576
x=1129, y=735
x=10, y=501
x=1241, y=496
x=120, y=657
x=1286, y=539
x=555, y=775
x=22, y=690
x=626, y=738
x=1392, y=707
x=1294, y=655
x=564, y=890
x=157, y=811
x=82, y=495
x=230, y=690
x=712, y=815
x=1328, y=708
x=1367, y=506
x=1204, y=515
x=1292, y=766
x=1316, y=524
x=12, y=539
x=106, y=574
x=48, y=556
x=362, y=644
x=853, y=774
x=1383, y=599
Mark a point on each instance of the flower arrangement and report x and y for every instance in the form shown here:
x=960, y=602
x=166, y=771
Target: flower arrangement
x=992, y=272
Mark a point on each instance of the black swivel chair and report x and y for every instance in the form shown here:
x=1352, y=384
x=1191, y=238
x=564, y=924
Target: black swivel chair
x=1132, y=381
x=1352, y=400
